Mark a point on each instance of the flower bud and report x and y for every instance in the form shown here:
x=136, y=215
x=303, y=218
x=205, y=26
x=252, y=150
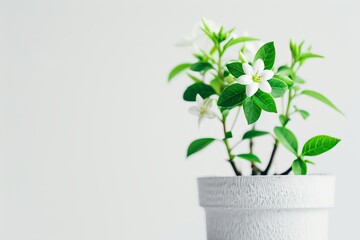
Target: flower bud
x=242, y=57
x=230, y=78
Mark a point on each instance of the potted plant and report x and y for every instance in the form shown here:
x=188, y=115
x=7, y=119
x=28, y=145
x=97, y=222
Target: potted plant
x=285, y=205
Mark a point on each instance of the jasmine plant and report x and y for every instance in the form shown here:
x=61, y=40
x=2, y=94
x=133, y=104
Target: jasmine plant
x=251, y=83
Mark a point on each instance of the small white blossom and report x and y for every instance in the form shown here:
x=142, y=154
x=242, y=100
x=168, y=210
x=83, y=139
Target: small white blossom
x=203, y=108
x=256, y=77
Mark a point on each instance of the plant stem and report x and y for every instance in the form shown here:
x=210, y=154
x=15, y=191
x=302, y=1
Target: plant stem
x=237, y=172
x=288, y=103
x=226, y=142
x=286, y=172
x=276, y=144
x=236, y=117
x=254, y=169
x=287, y=114
x=266, y=171
x=290, y=98
x=228, y=149
x=220, y=74
x=235, y=145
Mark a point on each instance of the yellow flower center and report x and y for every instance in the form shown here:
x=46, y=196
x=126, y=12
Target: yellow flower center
x=256, y=78
x=203, y=110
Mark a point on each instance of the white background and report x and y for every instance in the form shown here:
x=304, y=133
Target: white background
x=93, y=139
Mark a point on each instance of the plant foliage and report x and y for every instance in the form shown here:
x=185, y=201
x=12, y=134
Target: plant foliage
x=250, y=85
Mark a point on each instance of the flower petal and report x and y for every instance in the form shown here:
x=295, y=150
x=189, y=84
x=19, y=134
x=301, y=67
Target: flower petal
x=248, y=70
x=251, y=89
x=207, y=102
x=194, y=110
x=199, y=100
x=266, y=75
x=245, y=79
x=201, y=118
x=210, y=114
x=259, y=66
x=265, y=87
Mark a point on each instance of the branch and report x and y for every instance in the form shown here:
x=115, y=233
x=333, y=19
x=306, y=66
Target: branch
x=254, y=169
x=266, y=171
x=237, y=172
x=286, y=172
x=236, y=117
x=228, y=149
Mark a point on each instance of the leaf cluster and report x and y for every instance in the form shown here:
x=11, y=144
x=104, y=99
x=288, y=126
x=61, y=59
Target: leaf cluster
x=212, y=77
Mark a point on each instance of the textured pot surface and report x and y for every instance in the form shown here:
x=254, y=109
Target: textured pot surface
x=267, y=207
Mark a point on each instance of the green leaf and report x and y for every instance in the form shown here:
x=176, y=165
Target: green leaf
x=224, y=112
x=253, y=134
x=201, y=66
x=299, y=167
x=285, y=79
x=321, y=98
x=299, y=80
x=251, y=110
x=278, y=88
x=318, y=145
x=294, y=49
x=209, y=33
x=250, y=157
x=228, y=135
x=310, y=162
x=229, y=79
x=216, y=84
x=285, y=71
x=267, y=54
x=201, y=88
x=195, y=79
x=200, y=57
x=232, y=95
x=239, y=40
x=265, y=101
x=198, y=145
x=308, y=55
x=304, y=114
x=283, y=119
x=235, y=68
x=178, y=69
x=287, y=138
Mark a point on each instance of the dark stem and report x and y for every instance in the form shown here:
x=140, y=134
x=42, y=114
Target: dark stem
x=237, y=172
x=254, y=169
x=286, y=172
x=251, y=145
x=266, y=171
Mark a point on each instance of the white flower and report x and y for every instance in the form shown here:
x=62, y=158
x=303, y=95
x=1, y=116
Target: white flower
x=203, y=108
x=256, y=77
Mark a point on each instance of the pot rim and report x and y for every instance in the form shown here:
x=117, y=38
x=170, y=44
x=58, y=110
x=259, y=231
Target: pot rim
x=272, y=176
x=268, y=192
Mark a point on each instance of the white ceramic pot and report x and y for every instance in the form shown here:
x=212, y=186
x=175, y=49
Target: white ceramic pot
x=267, y=207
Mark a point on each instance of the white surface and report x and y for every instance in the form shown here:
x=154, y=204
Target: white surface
x=92, y=139
x=271, y=207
